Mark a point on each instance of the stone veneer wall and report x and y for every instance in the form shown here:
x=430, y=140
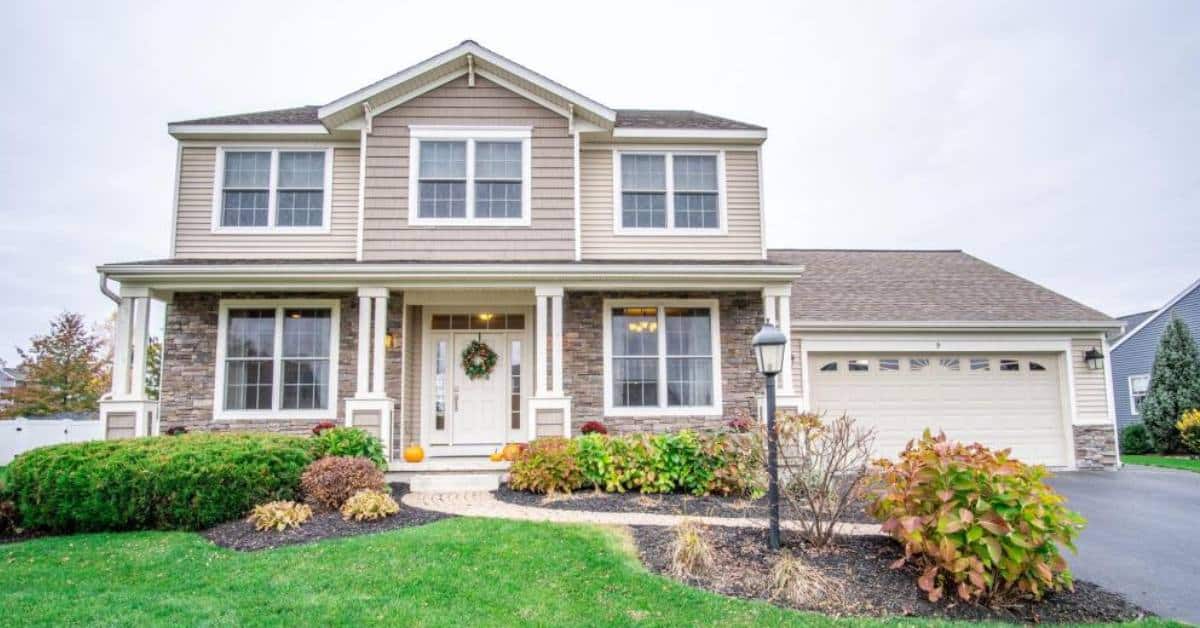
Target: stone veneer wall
x=1095, y=447
x=190, y=357
x=741, y=314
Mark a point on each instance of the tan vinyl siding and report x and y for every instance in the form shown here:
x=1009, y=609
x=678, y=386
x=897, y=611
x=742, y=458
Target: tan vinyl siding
x=1091, y=392
x=387, y=234
x=194, y=237
x=742, y=240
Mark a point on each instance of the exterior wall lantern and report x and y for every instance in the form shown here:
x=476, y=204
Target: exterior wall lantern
x=768, y=345
x=1094, y=359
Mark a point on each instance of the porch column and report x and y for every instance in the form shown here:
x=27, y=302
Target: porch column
x=126, y=411
x=777, y=309
x=370, y=409
x=550, y=407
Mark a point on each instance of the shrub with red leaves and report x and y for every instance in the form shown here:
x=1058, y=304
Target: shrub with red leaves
x=322, y=426
x=741, y=425
x=593, y=427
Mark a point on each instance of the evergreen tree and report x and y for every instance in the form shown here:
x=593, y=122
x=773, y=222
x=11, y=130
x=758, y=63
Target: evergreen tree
x=1174, y=385
x=64, y=371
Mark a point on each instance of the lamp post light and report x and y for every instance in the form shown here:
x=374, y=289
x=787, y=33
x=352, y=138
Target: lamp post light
x=768, y=346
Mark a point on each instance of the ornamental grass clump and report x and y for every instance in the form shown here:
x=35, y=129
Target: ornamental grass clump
x=691, y=553
x=798, y=583
x=330, y=481
x=978, y=523
x=279, y=516
x=369, y=505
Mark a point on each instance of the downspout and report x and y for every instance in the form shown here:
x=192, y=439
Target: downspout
x=106, y=291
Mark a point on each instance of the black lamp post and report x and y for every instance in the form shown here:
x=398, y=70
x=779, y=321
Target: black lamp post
x=768, y=346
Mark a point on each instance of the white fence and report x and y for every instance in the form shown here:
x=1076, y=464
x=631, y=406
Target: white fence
x=20, y=435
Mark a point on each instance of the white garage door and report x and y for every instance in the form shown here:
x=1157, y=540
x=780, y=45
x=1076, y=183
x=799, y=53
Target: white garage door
x=999, y=400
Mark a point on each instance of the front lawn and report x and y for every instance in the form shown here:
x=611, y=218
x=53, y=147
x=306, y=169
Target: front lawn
x=454, y=572
x=1168, y=462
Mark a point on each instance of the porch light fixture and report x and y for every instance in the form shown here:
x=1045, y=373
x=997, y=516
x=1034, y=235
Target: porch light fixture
x=1094, y=359
x=389, y=340
x=768, y=345
x=486, y=316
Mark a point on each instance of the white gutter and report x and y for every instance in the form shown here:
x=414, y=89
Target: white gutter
x=106, y=291
x=690, y=134
x=246, y=129
x=952, y=325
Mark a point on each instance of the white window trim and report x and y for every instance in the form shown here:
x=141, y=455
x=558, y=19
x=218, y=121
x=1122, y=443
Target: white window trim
x=471, y=135
x=714, y=410
x=330, y=413
x=1132, y=404
x=670, y=229
x=272, y=188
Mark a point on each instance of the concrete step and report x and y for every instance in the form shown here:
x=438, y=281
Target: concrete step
x=453, y=482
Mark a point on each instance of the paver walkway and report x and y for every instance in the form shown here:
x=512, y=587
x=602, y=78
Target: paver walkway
x=485, y=504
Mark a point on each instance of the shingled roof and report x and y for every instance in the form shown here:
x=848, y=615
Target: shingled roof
x=919, y=286
x=626, y=118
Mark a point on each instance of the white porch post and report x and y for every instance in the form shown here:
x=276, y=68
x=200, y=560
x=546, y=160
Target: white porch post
x=785, y=325
x=126, y=411
x=549, y=404
x=777, y=310
x=371, y=409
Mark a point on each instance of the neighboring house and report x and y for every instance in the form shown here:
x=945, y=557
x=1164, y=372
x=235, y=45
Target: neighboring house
x=9, y=378
x=1133, y=353
x=334, y=262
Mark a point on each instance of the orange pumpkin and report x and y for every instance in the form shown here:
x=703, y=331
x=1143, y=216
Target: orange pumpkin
x=414, y=453
x=510, y=451
x=496, y=456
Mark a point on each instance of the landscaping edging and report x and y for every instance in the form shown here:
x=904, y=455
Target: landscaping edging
x=241, y=535
x=665, y=503
x=864, y=584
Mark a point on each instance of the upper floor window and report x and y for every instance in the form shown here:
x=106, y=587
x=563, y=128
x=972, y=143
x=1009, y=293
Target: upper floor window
x=272, y=188
x=470, y=176
x=667, y=191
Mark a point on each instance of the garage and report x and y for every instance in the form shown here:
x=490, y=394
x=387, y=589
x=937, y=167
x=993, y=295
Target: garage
x=1000, y=400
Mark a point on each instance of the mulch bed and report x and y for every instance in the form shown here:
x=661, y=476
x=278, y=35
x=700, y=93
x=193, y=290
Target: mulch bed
x=241, y=535
x=863, y=583
x=666, y=504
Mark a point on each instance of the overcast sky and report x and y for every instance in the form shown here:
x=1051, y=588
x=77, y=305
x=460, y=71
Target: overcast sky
x=1059, y=140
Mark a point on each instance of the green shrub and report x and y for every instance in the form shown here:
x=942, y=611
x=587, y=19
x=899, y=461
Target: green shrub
x=350, y=442
x=1189, y=430
x=685, y=461
x=164, y=482
x=547, y=466
x=330, y=481
x=978, y=523
x=1135, y=440
x=9, y=518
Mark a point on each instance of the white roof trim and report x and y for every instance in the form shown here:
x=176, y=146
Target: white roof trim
x=723, y=134
x=1177, y=298
x=247, y=129
x=467, y=47
x=964, y=325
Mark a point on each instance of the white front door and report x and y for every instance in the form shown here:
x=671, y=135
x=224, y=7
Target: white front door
x=478, y=407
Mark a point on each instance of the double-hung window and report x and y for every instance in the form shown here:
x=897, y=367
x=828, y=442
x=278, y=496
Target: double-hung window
x=272, y=189
x=660, y=358
x=277, y=359
x=1139, y=387
x=470, y=176
x=659, y=192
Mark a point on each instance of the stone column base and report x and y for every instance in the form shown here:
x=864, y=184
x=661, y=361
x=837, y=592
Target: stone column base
x=127, y=418
x=1095, y=447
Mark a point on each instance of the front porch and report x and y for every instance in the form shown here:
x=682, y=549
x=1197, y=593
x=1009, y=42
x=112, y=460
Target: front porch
x=385, y=354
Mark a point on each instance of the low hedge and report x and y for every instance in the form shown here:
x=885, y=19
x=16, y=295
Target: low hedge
x=685, y=461
x=166, y=482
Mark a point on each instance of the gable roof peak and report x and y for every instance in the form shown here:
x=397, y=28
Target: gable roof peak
x=1169, y=307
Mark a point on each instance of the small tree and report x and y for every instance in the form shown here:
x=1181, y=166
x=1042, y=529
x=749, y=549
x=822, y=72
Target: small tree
x=64, y=371
x=1174, y=386
x=153, y=367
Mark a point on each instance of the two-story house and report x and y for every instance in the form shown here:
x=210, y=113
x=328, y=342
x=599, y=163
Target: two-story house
x=468, y=253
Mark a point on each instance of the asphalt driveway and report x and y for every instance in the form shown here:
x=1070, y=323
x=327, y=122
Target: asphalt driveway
x=1141, y=539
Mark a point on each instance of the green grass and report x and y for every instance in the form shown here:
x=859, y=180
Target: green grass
x=454, y=572
x=1167, y=462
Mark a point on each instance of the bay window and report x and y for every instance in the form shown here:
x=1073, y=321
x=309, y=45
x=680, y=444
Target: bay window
x=661, y=357
x=276, y=359
x=272, y=189
x=660, y=192
x=470, y=176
